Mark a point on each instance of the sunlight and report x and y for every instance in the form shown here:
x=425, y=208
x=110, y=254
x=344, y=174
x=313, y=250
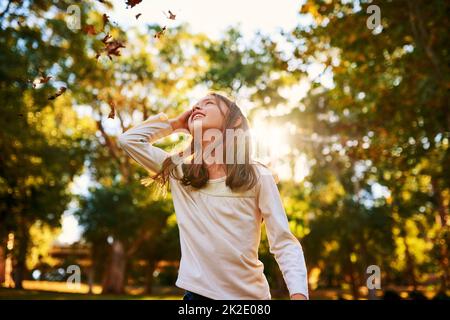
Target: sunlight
x=212, y=17
x=270, y=147
x=71, y=230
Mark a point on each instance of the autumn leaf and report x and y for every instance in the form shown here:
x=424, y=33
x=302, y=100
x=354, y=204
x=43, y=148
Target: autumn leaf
x=105, y=20
x=171, y=15
x=44, y=78
x=132, y=3
x=112, y=113
x=106, y=38
x=113, y=47
x=89, y=30
x=160, y=33
x=60, y=91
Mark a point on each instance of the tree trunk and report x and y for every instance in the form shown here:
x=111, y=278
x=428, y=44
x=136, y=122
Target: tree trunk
x=2, y=261
x=149, y=279
x=114, y=279
x=354, y=284
x=410, y=264
x=442, y=243
x=19, y=266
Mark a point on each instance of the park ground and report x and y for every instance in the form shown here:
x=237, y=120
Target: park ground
x=44, y=290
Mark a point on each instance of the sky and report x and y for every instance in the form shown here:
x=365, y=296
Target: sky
x=209, y=17
x=212, y=17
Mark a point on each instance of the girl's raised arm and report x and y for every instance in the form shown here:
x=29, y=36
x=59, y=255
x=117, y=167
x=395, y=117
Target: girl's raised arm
x=137, y=141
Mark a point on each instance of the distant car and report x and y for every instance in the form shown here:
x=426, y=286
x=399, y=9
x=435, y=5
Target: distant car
x=54, y=275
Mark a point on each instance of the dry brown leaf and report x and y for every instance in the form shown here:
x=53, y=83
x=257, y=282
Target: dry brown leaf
x=44, y=78
x=58, y=93
x=113, y=47
x=132, y=3
x=171, y=15
x=160, y=33
x=112, y=113
x=106, y=38
x=105, y=20
x=89, y=29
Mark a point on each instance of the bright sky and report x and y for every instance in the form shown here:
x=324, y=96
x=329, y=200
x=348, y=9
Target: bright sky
x=212, y=17
x=209, y=17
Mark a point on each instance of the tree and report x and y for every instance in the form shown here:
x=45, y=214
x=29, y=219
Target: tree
x=387, y=106
x=38, y=159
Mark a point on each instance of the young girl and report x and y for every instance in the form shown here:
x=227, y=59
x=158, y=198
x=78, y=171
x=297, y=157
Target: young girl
x=219, y=204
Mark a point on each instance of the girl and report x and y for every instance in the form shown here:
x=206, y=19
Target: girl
x=219, y=204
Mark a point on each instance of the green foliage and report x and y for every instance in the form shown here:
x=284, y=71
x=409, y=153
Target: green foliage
x=374, y=127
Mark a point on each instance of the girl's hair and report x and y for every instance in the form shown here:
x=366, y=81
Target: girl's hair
x=240, y=176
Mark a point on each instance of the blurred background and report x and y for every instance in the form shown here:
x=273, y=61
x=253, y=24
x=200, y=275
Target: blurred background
x=350, y=96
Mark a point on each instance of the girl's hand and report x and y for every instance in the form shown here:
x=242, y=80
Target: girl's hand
x=181, y=122
x=298, y=296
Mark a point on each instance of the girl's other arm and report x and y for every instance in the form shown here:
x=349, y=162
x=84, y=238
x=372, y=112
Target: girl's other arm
x=283, y=244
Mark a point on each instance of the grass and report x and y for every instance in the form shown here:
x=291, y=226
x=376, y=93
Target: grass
x=45, y=290
x=13, y=294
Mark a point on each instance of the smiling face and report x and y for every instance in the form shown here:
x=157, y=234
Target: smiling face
x=216, y=111
x=209, y=113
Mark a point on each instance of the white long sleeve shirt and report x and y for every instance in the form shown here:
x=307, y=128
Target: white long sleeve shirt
x=220, y=230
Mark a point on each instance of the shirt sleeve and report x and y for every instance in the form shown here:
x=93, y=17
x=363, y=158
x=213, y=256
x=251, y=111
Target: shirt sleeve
x=283, y=244
x=137, y=141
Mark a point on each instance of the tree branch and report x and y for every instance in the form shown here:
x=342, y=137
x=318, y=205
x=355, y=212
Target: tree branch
x=6, y=9
x=109, y=143
x=420, y=34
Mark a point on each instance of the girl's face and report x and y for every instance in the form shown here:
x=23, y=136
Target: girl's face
x=207, y=114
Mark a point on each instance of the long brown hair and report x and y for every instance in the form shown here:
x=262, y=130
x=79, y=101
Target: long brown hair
x=240, y=176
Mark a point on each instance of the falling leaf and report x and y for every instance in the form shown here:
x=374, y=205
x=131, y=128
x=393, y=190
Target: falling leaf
x=58, y=93
x=44, y=78
x=105, y=20
x=113, y=47
x=160, y=33
x=106, y=38
x=89, y=29
x=112, y=113
x=138, y=15
x=171, y=15
x=132, y=3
